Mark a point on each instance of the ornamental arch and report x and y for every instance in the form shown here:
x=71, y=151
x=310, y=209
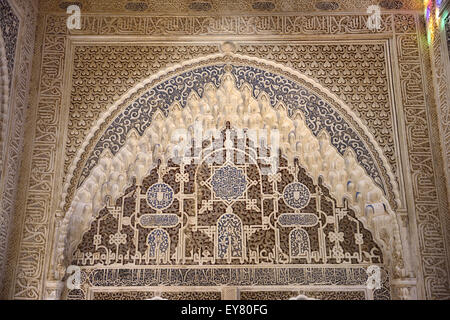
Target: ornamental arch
x=330, y=201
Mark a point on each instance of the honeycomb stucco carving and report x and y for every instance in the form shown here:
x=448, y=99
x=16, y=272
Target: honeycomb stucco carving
x=4, y=100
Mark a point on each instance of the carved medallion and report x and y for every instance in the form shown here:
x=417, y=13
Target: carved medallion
x=229, y=183
x=160, y=196
x=296, y=195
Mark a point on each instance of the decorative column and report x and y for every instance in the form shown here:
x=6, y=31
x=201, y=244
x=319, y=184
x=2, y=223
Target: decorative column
x=437, y=21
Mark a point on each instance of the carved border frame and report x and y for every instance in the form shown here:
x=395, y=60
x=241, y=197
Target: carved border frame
x=14, y=125
x=424, y=201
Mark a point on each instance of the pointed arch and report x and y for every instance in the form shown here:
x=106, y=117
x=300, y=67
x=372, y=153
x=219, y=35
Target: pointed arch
x=299, y=244
x=230, y=237
x=159, y=245
x=212, y=90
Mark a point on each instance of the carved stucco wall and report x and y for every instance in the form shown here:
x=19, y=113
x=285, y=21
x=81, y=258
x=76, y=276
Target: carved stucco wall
x=265, y=99
x=438, y=74
x=17, y=22
x=379, y=75
x=440, y=63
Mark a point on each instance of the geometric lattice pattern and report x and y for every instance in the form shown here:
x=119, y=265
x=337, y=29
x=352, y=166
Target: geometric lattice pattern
x=277, y=218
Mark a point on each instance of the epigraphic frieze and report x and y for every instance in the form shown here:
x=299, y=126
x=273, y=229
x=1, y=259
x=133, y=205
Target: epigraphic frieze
x=148, y=295
x=430, y=213
x=115, y=279
x=225, y=25
x=290, y=295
